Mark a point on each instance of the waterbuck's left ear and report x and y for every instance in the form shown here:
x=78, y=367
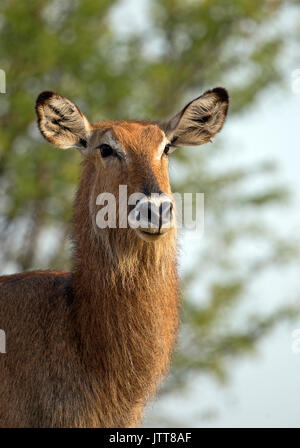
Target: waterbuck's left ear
x=200, y=120
x=61, y=122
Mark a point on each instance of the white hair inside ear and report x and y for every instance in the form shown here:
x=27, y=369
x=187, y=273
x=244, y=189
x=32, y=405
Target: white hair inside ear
x=61, y=122
x=199, y=120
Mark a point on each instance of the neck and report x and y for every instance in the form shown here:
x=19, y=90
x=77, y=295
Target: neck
x=126, y=294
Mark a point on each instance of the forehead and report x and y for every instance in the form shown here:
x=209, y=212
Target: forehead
x=130, y=134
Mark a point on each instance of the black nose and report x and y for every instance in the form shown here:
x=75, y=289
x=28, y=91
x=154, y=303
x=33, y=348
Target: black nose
x=154, y=214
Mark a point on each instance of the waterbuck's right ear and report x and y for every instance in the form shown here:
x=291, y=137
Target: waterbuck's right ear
x=61, y=122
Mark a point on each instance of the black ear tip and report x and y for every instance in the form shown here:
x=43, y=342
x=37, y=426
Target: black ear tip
x=44, y=97
x=221, y=93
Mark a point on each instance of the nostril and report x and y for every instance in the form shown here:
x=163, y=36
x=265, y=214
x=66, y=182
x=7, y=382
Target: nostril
x=161, y=209
x=149, y=211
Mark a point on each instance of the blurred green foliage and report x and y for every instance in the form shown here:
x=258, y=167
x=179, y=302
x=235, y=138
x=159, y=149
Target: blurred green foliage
x=74, y=47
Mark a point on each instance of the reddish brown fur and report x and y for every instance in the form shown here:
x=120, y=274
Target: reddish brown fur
x=88, y=349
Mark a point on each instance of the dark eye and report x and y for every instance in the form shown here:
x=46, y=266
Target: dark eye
x=168, y=149
x=106, y=150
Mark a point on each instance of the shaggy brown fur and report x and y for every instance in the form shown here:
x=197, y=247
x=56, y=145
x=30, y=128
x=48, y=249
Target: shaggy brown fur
x=88, y=348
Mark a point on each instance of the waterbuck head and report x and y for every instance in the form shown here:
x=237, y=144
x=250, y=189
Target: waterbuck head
x=132, y=154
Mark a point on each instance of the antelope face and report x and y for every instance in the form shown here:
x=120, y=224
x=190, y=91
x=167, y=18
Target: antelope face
x=134, y=153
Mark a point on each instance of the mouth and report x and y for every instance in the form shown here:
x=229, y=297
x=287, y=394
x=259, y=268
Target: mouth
x=147, y=236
